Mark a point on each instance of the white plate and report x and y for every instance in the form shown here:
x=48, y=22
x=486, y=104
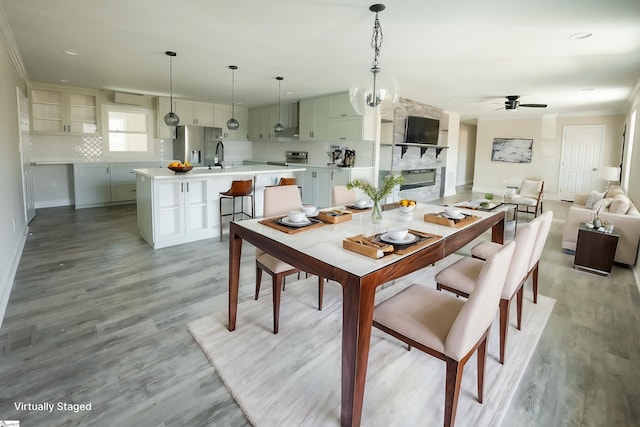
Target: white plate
x=313, y=214
x=410, y=238
x=460, y=216
x=286, y=221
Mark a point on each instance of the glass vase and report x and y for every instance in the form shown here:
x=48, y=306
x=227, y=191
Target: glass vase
x=376, y=212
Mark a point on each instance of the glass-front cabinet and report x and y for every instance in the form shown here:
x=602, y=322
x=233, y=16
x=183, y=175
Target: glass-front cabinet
x=67, y=111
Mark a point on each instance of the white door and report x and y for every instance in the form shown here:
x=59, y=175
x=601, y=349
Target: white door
x=25, y=157
x=580, y=159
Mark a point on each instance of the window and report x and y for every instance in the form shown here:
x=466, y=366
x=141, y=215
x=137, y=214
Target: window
x=127, y=131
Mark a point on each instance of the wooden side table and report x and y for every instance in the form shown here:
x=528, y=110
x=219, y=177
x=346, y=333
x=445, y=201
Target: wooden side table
x=595, y=250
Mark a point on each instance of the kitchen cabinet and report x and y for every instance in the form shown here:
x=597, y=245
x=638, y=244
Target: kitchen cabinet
x=102, y=184
x=222, y=113
x=317, y=184
x=194, y=113
x=354, y=128
x=91, y=184
x=181, y=210
x=64, y=111
x=340, y=106
x=163, y=106
x=314, y=119
x=261, y=123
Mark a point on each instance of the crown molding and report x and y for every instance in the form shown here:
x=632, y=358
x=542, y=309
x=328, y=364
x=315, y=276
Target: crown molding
x=6, y=37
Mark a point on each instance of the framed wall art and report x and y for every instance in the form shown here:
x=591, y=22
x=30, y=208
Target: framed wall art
x=512, y=150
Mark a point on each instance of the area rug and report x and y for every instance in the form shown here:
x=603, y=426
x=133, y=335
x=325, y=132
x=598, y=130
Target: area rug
x=293, y=378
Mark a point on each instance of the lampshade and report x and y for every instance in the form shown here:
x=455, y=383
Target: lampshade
x=610, y=173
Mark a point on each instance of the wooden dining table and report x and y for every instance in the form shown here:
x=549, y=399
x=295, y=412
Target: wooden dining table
x=319, y=251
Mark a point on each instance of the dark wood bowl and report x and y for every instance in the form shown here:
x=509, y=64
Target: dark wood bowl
x=180, y=169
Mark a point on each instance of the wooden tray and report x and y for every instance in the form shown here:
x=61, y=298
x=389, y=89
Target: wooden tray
x=437, y=218
x=273, y=223
x=367, y=246
x=424, y=239
x=334, y=216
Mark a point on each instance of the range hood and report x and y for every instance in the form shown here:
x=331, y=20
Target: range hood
x=293, y=130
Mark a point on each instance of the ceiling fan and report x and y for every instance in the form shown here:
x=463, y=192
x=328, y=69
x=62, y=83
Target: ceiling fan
x=512, y=103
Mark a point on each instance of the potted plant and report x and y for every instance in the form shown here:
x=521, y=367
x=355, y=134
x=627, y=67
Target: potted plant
x=377, y=194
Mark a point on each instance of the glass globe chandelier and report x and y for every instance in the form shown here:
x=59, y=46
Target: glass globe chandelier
x=171, y=119
x=232, y=123
x=377, y=90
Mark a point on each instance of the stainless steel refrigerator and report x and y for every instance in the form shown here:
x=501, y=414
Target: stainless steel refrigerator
x=196, y=144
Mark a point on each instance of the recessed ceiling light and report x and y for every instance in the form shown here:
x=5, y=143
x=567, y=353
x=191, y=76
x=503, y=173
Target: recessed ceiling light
x=580, y=36
x=588, y=89
x=72, y=52
x=63, y=81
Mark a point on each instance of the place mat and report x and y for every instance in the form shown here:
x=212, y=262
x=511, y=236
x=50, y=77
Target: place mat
x=438, y=218
x=476, y=206
x=353, y=208
x=423, y=239
x=273, y=223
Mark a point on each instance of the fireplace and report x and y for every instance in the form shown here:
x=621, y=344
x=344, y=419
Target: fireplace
x=418, y=178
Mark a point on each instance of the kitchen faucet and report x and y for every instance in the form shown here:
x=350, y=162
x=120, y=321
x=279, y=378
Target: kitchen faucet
x=219, y=160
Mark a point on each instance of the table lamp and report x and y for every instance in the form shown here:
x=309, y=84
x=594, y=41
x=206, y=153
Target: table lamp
x=610, y=174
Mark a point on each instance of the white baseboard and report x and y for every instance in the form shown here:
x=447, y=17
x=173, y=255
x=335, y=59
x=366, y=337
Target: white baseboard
x=10, y=273
x=53, y=203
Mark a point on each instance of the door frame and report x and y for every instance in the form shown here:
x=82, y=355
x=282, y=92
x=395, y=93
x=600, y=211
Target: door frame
x=26, y=161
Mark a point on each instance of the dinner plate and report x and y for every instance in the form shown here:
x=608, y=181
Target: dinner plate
x=286, y=221
x=314, y=214
x=409, y=238
x=359, y=207
x=459, y=216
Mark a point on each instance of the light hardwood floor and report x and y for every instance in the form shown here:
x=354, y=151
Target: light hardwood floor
x=97, y=316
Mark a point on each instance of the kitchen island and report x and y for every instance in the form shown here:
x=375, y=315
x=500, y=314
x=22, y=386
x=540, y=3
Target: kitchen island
x=175, y=208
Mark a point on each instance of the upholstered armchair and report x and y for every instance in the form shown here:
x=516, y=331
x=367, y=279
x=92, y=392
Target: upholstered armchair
x=529, y=196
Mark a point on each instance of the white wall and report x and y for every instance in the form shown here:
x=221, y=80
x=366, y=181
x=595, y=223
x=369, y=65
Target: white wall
x=12, y=212
x=546, y=132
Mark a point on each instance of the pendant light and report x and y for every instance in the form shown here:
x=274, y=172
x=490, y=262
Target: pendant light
x=278, y=126
x=171, y=119
x=377, y=90
x=232, y=123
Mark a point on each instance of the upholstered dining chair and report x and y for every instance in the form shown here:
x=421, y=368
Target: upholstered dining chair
x=461, y=278
x=485, y=250
x=341, y=195
x=278, y=200
x=446, y=327
x=529, y=196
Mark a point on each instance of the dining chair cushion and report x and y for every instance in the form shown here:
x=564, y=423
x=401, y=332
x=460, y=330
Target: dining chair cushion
x=485, y=250
x=525, y=201
x=477, y=314
x=421, y=314
x=462, y=274
x=273, y=264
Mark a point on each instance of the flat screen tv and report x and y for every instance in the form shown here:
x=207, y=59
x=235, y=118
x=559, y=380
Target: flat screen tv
x=421, y=130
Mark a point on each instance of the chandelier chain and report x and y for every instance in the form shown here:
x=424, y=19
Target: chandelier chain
x=376, y=40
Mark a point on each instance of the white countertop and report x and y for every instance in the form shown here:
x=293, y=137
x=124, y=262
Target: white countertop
x=166, y=173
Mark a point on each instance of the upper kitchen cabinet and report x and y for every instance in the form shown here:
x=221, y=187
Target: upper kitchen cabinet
x=222, y=113
x=163, y=106
x=194, y=113
x=354, y=128
x=261, y=123
x=314, y=119
x=340, y=106
x=57, y=110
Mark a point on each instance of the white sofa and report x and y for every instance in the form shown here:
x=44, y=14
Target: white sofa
x=611, y=207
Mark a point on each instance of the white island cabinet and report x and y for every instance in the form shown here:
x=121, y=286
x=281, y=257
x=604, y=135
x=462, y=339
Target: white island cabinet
x=175, y=208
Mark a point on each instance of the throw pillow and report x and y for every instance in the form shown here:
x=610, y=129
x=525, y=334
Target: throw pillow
x=602, y=204
x=593, y=198
x=530, y=188
x=614, y=192
x=620, y=204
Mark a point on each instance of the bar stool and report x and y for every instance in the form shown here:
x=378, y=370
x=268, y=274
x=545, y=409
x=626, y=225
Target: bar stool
x=239, y=189
x=289, y=181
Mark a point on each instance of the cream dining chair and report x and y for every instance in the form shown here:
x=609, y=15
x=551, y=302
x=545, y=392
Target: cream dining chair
x=485, y=250
x=341, y=195
x=278, y=200
x=446, y=327
x=461, y=278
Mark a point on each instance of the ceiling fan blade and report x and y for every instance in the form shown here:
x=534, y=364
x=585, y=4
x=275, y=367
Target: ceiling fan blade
x=533, y=105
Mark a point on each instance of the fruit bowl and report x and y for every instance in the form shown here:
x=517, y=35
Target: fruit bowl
x=407, y=206
x=180, y=168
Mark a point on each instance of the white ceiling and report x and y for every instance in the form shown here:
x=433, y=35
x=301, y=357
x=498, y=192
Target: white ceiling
x=462, y=56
